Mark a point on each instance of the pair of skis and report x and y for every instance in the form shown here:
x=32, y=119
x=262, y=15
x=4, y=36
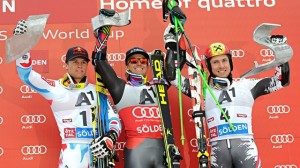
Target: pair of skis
x=198, y=96
x=196, y=79
x=99, y=124
x=111, y=18
x=172, y=154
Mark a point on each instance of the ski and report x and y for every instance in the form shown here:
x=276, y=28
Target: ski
x=172, y=155
x=106, y=17
x=197, y=95
x=99, y=127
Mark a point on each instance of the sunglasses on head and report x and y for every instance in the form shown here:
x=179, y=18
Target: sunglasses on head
x=135, y=60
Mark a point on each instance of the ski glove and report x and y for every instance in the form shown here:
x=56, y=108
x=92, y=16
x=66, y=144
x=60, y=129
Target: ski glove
x=101, y=34
x=100, y=49
x=21, y=28
x=277, y=39
x=178, y=13
x=104, y=145
x=169, y=37
x=171, y=56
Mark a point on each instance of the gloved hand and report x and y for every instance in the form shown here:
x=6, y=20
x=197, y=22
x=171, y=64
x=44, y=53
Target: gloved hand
x=104, y=145
x=169, y=37
x=171, y=56
x=21, y=28
x=277, y=39
x=101, y=34
x=178, y=13
x=100, y=49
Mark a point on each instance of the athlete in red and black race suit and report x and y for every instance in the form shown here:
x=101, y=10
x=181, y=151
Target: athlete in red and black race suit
x=136, y=104
x=135, y=101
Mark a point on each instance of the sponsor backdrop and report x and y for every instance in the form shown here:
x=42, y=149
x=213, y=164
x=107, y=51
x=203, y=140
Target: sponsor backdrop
x=29, y=134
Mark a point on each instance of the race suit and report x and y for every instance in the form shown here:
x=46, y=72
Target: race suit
x=72, y=110
x=237, y=148
x=138, y=109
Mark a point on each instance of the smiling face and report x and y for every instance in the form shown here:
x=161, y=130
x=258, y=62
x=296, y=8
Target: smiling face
x=220, y=66
x=77, y=68
x=137, y=64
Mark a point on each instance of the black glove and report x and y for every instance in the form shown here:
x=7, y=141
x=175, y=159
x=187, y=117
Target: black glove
x=178, y=13
x=171, y=56
x=283, y=74
x=21, y=28
x=104, y=145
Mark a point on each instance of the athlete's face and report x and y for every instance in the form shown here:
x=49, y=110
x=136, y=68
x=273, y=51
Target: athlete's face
x=77, y=68
x=138, y=64
x=220, y=66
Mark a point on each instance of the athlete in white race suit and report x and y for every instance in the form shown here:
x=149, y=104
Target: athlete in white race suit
x=73, y=104
x=234, y=148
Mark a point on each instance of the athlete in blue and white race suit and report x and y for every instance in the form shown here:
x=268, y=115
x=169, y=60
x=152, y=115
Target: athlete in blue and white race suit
x=234, y=148
x=73, y=102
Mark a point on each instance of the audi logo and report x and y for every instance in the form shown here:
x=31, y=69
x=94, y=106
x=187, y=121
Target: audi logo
x=120, y=146
x=115, y=57
x=266, y=53
x=194, y=143
x=63, y=58
x=34, y=150
x=146, y=112
x=1, y=89
x=26, y=89
x=190, y=112
x=237, y=53
x=33, y=119
x=278, y=109
x=1, y=120
x=1, y=151
x=286, y=166
x=284, y=138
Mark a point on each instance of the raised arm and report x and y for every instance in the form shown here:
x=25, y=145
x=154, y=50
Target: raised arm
x=112, y=82
x=280, y=79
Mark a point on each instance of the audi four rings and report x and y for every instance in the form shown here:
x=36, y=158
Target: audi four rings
x=26, y=89
x=1, y=151
x=278, y=109
x=237, y=53
x=33, y=119
x=190, y=112
x=266, y=53
x=115, y=57
x=34, y=150
x=120, y=146
x=146, y=112
x=63, y=58
x=283, y=138
x=194, y=143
